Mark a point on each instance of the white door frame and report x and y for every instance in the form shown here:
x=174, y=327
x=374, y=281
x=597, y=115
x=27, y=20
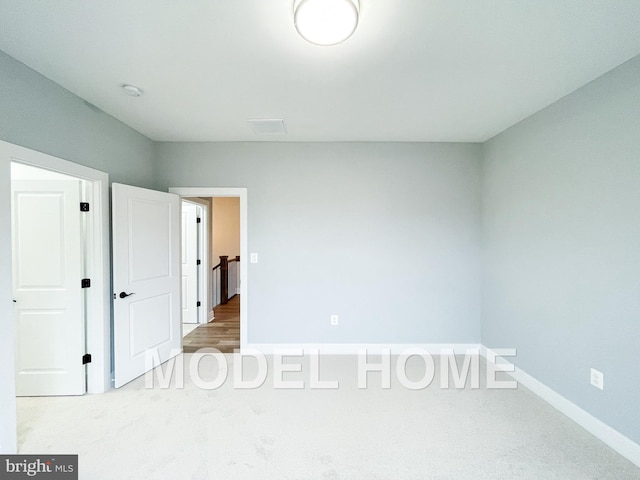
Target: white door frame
x=244, y=248
x=98, y=327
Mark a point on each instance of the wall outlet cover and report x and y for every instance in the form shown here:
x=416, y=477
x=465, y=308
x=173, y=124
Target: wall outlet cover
x=597, y=379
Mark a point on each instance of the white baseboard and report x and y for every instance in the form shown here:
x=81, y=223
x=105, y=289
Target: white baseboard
x=210, y=317
x=355, y=348
x=614, y=439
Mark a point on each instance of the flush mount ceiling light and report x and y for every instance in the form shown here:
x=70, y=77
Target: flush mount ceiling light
x=326, y=22
x=132, y=90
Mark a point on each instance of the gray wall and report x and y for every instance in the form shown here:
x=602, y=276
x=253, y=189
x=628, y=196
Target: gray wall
x=561, y=236
x=385, y=235
x=38, y=114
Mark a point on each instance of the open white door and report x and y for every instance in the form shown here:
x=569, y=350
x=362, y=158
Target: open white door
x=47, y=277
x=146, y=279
x=189, y=263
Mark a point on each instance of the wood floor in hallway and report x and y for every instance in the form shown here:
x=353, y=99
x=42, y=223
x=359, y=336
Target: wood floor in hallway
x=223, y=333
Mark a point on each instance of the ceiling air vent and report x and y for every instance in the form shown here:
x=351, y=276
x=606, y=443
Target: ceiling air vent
x=267, y=126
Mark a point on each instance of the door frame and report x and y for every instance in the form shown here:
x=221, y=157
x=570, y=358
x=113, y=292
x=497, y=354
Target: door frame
x=98, y=297
x=240, y=192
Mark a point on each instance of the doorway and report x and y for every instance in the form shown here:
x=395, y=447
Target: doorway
x=95, y=227
x=49, y=252
x=236, y=263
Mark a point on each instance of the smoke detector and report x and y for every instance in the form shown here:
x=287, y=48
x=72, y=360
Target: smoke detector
x=132, y=90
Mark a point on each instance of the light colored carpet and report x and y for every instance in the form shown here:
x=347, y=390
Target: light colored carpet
x=348, y=433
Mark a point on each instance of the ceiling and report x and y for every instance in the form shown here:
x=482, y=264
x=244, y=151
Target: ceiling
x=415, y=70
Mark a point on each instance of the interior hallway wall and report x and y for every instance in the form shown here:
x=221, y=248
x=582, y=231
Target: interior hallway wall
x=561, y=236
x=225, y=229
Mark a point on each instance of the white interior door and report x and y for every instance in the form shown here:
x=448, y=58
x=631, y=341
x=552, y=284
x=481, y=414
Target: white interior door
x=189, y=263
x=47, y=275
x=146, y=279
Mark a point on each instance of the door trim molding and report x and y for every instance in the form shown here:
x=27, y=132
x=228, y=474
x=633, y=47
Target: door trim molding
x=240, y=192
x=98, y=327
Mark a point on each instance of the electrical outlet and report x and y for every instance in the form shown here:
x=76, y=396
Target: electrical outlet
x=254, y=258
x=334, y=319
x=597, y=379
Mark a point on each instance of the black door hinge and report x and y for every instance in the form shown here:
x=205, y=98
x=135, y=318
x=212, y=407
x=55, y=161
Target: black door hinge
x=197, y=304
x=198, y=262
x=84, y=206
x=86, y=358
x=86, y=282
x=198, y=220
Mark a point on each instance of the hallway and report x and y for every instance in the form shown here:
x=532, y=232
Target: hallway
x=223, y=333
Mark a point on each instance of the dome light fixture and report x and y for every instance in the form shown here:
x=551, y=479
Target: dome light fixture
x=326, y=22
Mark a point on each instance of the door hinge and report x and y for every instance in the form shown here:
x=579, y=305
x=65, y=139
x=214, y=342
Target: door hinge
x=198, y=304
x=86, y=358
x=198, y=220
x=86, y=282
x=198, y=262
x=84, y=206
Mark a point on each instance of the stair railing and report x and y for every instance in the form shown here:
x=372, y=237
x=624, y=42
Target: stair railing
x=225, y=275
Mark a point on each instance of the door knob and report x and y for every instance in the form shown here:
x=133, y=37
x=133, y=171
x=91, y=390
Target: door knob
x=125, y=295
